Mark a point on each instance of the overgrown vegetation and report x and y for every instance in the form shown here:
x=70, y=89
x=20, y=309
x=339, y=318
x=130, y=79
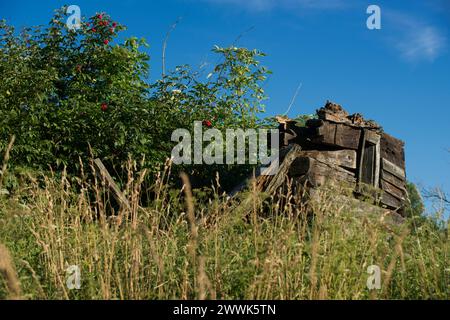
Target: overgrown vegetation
x=188, y=246
x=70, y=96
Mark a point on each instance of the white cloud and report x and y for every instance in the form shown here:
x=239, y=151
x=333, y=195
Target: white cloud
x=426, y=43
x=415, y=39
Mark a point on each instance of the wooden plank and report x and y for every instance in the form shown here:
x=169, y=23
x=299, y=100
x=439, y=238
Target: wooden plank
x=300, y=167
x=314, y=123
x=287, y=138
x=393, y=190
x=338, y=135
x=338, y=118
x=367, y=164
x=392, y=149
x=372, y=137
x=321, y=173
x=342, y=158
x=103, y=173
x=394, y=169
x=355, y=120
x=280, y=177
x=325, y=133
x=360, y=165
x=286, y=156
x=287, y=133
x=267, y=185
x=377, y=163
x=317, y=173
x=399, y=183
x=347, y=137
x=369, y=168
x=375, y=139
x=391, y=201
x=361, y=208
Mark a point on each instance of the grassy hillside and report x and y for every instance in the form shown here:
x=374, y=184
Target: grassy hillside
x=196, y=245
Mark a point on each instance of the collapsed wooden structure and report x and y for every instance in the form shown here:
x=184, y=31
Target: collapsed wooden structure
x=332, y=147
x=342, y=147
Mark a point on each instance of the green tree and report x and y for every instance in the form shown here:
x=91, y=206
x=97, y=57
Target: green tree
x=230, y=96
x=70, y=94
x=416, y=207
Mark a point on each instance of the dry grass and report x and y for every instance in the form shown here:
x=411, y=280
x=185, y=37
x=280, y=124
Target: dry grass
x=6, y=159
x=185, y=245
x=8, y=271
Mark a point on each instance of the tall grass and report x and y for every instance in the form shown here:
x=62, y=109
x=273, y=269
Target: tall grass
x=191, y=244
x=8, y=271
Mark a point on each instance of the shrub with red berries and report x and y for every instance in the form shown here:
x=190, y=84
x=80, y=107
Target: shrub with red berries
x=103, y=28
x=70, y=93
x=65, y=92
x=207, y=123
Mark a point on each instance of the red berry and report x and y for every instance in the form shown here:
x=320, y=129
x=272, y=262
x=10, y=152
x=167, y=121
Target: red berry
x=104, y=106
x=94, y=30
x=106, y=41
x=114, y=24
x=100, y=16
x=207, y=123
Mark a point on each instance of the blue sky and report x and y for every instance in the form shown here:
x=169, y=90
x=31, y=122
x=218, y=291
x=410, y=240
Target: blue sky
x=398, y=76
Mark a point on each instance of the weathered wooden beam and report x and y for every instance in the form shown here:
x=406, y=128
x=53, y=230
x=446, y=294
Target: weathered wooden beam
x=361, y=208
x=300, y=167
x=393, y=190
x=399, y=183
x=372, y=136
x=375, y=139
x=103, y=173
x=394, y=169
x=342, y=158
x=391, y=201
x=287, y=132
x=377, y=164
x=268, y=185
x=347, y=137
x=277, y=180
x=369, y=163
x=366, y=167
x=317, y=172
x=392, y=149
x=325, y=133
x=338, y=118
x=338, y=135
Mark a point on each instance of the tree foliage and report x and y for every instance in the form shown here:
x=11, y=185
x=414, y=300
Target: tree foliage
x=70, y=94
x=416, y=207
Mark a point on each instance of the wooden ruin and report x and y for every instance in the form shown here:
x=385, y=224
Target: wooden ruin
x=342, y=147
x=332, y=147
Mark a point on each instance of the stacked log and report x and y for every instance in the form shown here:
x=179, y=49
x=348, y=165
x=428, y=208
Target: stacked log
x=393, y=176
x=341, y=147
x=318, y=167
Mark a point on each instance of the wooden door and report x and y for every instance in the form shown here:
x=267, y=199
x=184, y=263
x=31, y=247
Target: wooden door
x=369, y=164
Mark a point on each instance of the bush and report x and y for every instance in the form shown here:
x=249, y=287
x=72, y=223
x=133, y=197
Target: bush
x=70, y=94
